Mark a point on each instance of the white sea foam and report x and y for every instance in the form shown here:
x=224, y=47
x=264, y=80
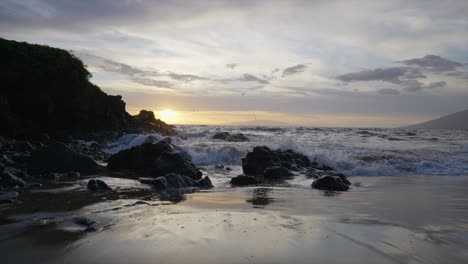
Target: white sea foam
x=366, y=152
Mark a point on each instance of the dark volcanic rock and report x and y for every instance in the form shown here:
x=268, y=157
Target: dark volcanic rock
x=239, y=137
x=154, y=160
x=8, y=180
x=262, y=157
x=243, y=180
x=57, y=157
x=277, y=173
x=176, y=181
x=330, y=183
x=96, y=185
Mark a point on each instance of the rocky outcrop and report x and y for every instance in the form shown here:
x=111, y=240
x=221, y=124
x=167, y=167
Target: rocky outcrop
x=330, y=183
x=262, y=158
x=47, y=90
x=270, y=166
x=154, y=160
x=226, y=136
x=176, y=181
x=58, y=157
x=243, y=180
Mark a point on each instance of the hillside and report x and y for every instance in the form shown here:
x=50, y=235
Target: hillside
x=47, y=90
x=458, y=121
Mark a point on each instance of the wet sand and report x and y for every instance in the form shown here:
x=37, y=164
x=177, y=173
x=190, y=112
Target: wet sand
x=420, y=219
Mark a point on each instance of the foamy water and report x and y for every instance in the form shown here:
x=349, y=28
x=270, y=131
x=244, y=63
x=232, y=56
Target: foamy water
x=353, y=151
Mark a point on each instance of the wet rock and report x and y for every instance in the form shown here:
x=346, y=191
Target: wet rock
x=330, y=183
x=219, y=166
x=8, y=180
x=243, y=180
x=277, y=173
x=6, y=161
x=158, y=159
x=205, y=183
x=8, y=197
x=57, y=157
x=90, y=225
x=262, y=157
x=96, y=185
x=176, y=181
x=226, y=136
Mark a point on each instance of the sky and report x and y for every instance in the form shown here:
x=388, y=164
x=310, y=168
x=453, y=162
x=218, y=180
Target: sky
x=311, y=63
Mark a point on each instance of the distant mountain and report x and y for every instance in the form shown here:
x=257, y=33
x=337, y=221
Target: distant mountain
x=456, y=121
x=259, y=123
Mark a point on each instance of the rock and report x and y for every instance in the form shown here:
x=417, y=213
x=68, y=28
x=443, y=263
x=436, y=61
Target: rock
x=57, y=157
x=260, y=158
x=277, y=173
x=330, y=183
x=176, y=181
x=226, y=136
x=155, y=160
x=8, y=197
x=90, y=225
x=219, y=166
x=205, y=183
x=243, y=180
x=96, y=185
x=9, y=180
x=6, y=161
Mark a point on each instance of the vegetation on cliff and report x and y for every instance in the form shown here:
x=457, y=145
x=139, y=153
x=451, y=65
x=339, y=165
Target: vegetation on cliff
x=47, y=90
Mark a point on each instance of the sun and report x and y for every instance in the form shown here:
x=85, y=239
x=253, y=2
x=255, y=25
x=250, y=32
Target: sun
x=168, y=115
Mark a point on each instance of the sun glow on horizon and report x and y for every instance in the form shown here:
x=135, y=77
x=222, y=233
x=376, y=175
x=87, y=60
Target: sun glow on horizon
x=168, y=115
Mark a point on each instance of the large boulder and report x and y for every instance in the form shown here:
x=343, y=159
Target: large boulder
x=330, y=183
x=243, y=180
x=158, y=159
x=176, y=181
x=226, y=136
x=262, y=157
x=57, y=157
x=277, y=173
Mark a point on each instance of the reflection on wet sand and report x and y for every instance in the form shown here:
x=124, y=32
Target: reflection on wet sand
x=295, y=225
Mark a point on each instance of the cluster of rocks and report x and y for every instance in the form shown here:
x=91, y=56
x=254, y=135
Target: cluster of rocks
x=263, y=165
x=226, y=136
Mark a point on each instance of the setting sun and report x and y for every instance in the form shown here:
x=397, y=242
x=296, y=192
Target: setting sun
x=168, y=115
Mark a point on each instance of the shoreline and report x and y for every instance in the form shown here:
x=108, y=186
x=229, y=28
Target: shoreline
x=419, y=219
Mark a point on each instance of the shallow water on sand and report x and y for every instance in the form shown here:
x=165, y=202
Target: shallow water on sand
x=398, y=219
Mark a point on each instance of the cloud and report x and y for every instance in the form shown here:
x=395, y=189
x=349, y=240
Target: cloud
x=417, y=86
x=231, y=65
x=186, y=77
x=388, y=91
x=395, y=75
x=151, y=82
x=433, y=63
x=252, y=78
x=293, y=70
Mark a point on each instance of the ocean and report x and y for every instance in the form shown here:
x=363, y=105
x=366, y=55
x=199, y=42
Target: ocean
x=351, y=151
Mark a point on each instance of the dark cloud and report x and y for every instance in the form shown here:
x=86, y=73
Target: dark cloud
x=388, y=91
x=252, y=78
x=136, y=74
x=433, y=63
x=294, y=69
x=414, y=86
x=151, y=82
x=275, y=70
x=395, y=75
x=231, y=65
x=186, y=77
